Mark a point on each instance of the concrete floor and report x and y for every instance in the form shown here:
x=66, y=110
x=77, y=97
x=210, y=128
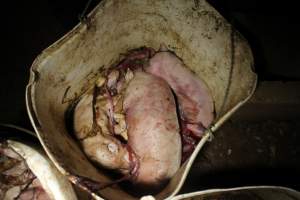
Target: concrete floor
x=244, y=151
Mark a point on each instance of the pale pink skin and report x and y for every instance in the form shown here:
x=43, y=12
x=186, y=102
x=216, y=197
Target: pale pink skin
x=152, y=122
x=153, y=132
x=194, y=99
x=153, y=128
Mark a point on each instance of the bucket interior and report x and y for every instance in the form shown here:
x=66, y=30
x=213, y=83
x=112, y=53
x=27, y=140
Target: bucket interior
x=195, y=31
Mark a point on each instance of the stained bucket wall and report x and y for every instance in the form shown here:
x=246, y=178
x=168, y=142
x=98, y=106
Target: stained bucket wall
x=196, y=32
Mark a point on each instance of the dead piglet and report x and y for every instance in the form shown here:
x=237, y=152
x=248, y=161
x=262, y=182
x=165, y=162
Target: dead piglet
x=195, y=101
x=99, y=143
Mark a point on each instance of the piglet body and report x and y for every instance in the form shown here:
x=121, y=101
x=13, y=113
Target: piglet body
x=195, y=102
x=153, y=130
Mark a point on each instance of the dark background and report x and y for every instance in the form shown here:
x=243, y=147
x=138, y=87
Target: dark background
x=272, y=29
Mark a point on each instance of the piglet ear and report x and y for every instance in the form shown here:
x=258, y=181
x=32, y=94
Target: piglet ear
x=163, y=47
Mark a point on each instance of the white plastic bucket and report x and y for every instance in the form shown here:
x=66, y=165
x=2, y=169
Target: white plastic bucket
x=194, y=30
